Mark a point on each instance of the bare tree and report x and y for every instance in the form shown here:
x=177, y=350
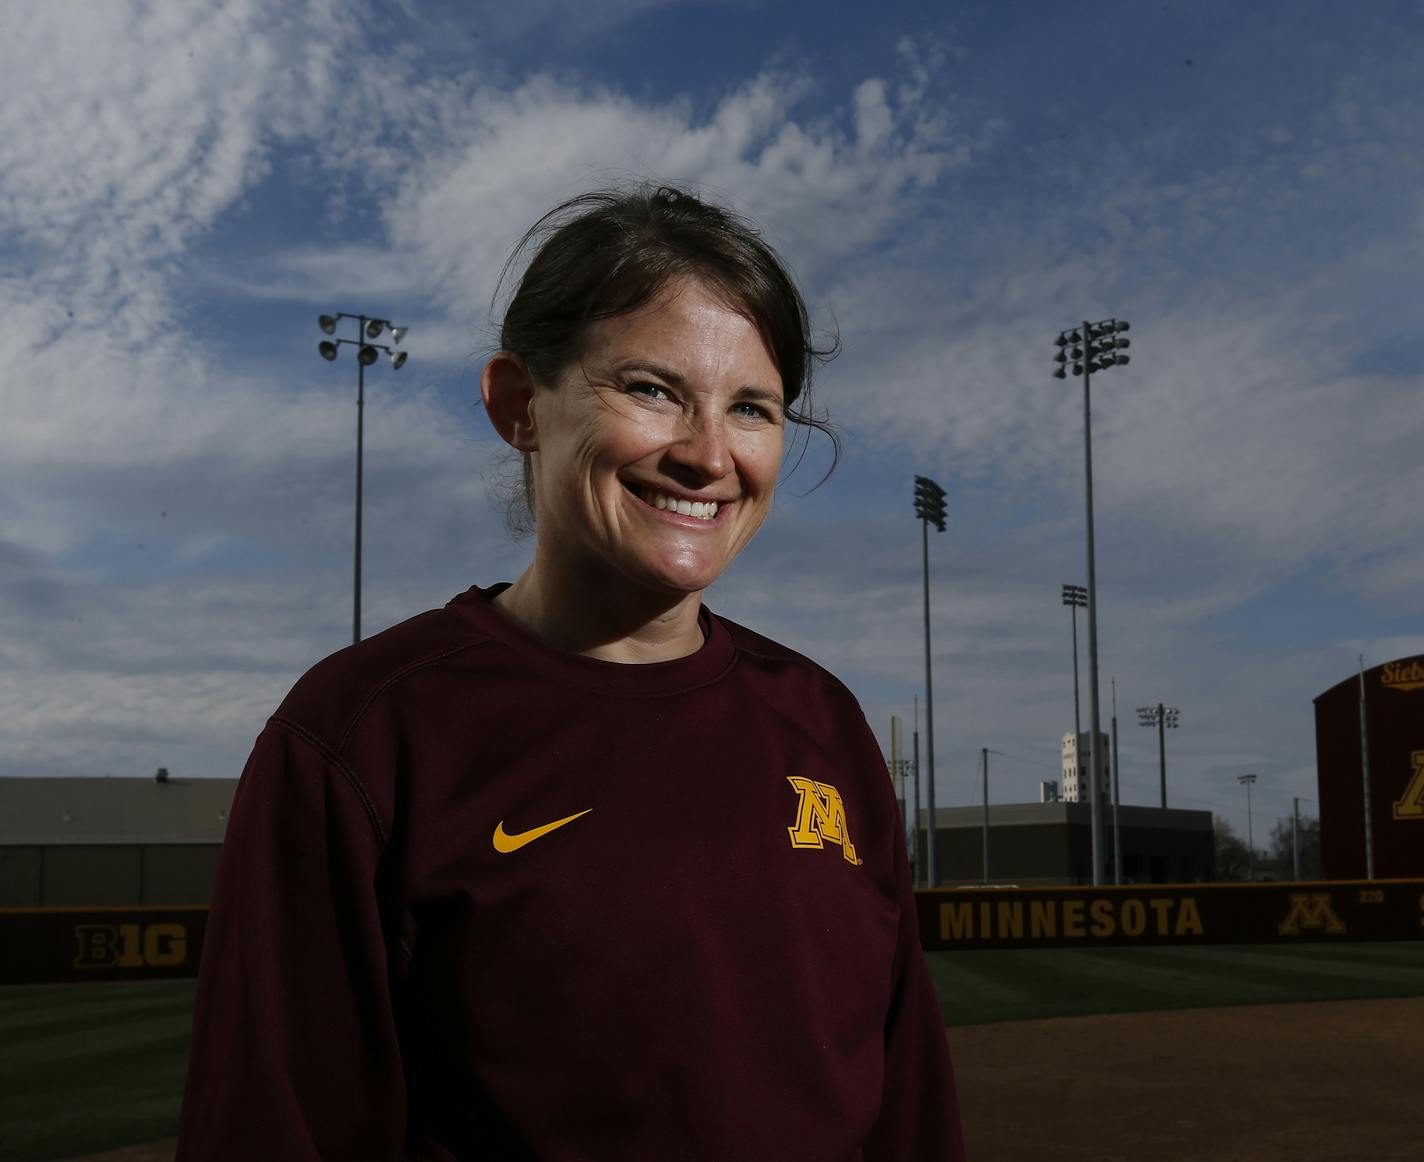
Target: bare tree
x=1231, y=857
x=1281, y=857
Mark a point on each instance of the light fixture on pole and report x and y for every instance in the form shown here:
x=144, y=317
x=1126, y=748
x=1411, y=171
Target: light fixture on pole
x=1247, y=780
x=367, y=353
x=929, y=508
x=1094, y=348
x=1076, y=597
x=1161, y=717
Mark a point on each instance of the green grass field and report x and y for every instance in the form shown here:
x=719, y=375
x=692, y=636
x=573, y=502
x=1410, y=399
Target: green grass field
x=978, y=988
x=91, y=1067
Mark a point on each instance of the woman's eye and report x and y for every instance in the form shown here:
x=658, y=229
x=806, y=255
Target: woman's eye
x=651, y=390
x=751, y=411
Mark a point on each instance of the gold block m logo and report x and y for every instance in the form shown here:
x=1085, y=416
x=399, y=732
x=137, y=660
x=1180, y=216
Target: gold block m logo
x=1410, y=805
x=1311, y=911
x=820, y=816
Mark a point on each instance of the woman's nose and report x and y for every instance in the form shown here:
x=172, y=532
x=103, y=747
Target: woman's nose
x=702, y=447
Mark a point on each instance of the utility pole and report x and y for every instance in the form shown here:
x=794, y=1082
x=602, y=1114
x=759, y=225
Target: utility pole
x=897, y=768
x=1295, y=838
x=984, y=754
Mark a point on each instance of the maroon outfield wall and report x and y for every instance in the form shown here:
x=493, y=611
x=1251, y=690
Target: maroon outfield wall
x=1394, y=716
x=1280, y=913
x=154, y=943
x=83, y=944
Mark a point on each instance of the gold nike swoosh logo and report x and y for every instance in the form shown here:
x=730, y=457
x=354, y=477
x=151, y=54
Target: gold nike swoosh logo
x=504, y=843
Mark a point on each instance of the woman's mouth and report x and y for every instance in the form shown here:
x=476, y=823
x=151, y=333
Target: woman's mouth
x=702, y=510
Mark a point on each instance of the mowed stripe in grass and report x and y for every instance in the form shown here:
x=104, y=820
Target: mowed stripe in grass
x=91, y=1067
x=982, y=987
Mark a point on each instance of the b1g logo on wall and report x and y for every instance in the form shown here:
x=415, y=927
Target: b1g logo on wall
x=163, y=945
x=1411, y=804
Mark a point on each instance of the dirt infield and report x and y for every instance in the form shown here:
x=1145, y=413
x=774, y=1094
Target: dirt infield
x=1326, y=1082
x=1332, y=1082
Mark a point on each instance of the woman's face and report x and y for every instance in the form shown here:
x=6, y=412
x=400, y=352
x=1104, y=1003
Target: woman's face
x=674, y=407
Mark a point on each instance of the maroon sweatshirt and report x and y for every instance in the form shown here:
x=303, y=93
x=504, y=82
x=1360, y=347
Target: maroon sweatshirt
x=481, y=899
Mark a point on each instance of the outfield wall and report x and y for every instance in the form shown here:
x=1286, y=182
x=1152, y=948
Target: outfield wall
x=1256, y=913
x=92, y=944
x=86, y=944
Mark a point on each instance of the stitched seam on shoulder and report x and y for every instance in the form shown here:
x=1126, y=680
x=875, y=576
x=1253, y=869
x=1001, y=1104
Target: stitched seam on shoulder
x=390, y=680
x=335, y=760
x=800, y=661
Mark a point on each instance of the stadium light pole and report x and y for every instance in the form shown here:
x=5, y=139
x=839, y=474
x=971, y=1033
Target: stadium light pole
x=1247, y=780
x=985, y=756
x=1094, y=348
x=1116, y=785
x=929, y=508
x=1365, y=777
x=1161, y=717
x=367, y=328
x=916, y=861
x=1076, y=596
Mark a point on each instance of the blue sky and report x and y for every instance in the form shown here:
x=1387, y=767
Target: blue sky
x=183, y=188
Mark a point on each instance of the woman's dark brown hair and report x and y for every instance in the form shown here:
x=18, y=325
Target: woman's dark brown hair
x=608, y=252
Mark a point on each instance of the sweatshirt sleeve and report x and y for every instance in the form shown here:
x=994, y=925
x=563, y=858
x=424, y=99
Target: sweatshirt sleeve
x=919, y=1112
x=294, y=1053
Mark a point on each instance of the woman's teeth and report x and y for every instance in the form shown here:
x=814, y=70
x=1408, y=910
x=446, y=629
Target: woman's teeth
x=706, y=510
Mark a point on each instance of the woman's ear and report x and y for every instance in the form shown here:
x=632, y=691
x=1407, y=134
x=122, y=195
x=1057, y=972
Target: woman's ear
x=508, y=391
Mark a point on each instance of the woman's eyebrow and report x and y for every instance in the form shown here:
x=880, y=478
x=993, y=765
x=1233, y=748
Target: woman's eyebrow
x=676, y=379
x=647, y=367
x=762, y=395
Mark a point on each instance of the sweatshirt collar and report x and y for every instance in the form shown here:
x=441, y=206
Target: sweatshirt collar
x=647, y=679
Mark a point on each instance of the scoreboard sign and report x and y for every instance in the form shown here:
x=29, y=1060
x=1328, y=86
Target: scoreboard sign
x=1284, y=913
x=78, y=944
x=1393, y=737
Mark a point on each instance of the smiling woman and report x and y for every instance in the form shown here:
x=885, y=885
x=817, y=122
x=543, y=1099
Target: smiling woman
x=654, y=457
x=574, y=867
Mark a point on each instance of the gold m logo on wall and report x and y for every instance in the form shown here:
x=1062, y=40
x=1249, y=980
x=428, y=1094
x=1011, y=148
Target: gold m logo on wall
x=1311, y=911
x=1410, y=805
x=820, y=816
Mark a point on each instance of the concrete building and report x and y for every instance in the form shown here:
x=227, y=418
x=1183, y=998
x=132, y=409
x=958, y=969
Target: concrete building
x=120, y=842
x=117, y=842
x=1051, y=843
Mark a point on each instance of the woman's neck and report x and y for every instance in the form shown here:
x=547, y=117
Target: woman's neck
x=603, y=618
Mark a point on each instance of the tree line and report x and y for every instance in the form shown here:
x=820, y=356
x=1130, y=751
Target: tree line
x=1274, y=861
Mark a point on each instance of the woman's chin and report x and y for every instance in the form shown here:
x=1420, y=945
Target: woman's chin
x=678, y=577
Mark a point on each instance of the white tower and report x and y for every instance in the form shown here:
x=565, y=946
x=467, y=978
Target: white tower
x=1074, y=783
